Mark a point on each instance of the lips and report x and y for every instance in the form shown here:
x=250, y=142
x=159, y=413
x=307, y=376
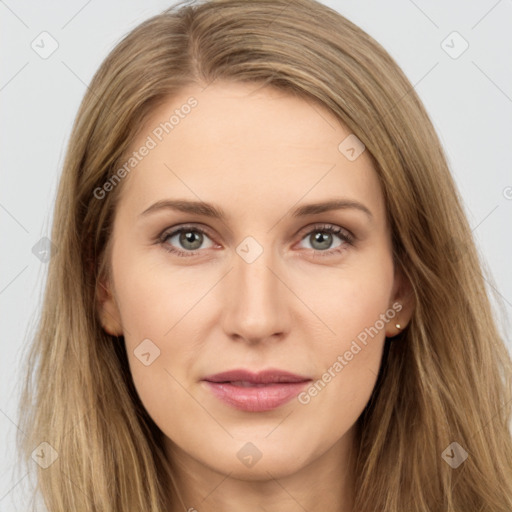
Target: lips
x=269, y=376
x=256, y=392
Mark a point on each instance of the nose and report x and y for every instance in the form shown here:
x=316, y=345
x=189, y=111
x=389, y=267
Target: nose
x=256, y=306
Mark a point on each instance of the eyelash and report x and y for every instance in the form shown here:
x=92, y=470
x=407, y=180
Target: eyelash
x=342, y=233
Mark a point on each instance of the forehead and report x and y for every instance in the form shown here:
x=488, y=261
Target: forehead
x=261, y=145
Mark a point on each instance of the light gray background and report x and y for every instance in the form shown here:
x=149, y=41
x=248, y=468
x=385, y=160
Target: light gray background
x=469, y=100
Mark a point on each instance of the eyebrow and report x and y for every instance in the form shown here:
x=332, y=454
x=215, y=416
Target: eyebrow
x=209, y=210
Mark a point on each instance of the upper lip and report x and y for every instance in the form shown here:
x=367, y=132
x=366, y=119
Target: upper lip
x=263, y=377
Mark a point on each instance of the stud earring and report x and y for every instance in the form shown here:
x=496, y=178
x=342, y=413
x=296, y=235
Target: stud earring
x=398, y=326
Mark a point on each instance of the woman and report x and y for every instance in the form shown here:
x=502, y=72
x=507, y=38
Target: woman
x=362, y=371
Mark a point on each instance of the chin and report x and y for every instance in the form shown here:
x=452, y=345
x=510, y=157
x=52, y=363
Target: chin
x=259, y=459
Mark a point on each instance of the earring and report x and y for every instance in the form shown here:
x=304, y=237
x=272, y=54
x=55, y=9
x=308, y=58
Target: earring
x=398, y=326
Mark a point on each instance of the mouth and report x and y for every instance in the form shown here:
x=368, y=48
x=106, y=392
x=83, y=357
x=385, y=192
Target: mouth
x=256, y=392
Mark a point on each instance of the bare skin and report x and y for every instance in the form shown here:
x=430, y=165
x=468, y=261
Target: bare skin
x=258, y=154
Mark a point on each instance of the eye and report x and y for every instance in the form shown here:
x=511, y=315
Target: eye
x=190, y=238
x=320, y=239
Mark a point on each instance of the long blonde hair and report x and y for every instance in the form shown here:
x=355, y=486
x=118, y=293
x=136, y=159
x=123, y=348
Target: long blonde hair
x=448, y=376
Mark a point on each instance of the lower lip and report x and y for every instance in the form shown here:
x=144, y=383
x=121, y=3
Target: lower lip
x=256, y=399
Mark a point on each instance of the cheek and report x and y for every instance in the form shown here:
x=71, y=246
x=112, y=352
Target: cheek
x=351, y=298
x=355, y=306
x=157, y=313
x=348, y=367
x=155, y=298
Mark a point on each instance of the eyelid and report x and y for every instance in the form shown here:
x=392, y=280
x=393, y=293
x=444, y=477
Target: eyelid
x=182, y=227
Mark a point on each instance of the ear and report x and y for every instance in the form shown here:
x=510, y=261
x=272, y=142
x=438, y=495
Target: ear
x=402, y=302
x=107, y=308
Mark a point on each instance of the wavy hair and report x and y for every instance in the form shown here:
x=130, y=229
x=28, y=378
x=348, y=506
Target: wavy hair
x=446, y=378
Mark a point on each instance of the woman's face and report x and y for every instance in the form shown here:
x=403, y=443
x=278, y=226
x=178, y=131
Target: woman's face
x=254, y=280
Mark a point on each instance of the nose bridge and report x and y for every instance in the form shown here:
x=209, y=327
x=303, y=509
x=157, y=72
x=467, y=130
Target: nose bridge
x=257, y=308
